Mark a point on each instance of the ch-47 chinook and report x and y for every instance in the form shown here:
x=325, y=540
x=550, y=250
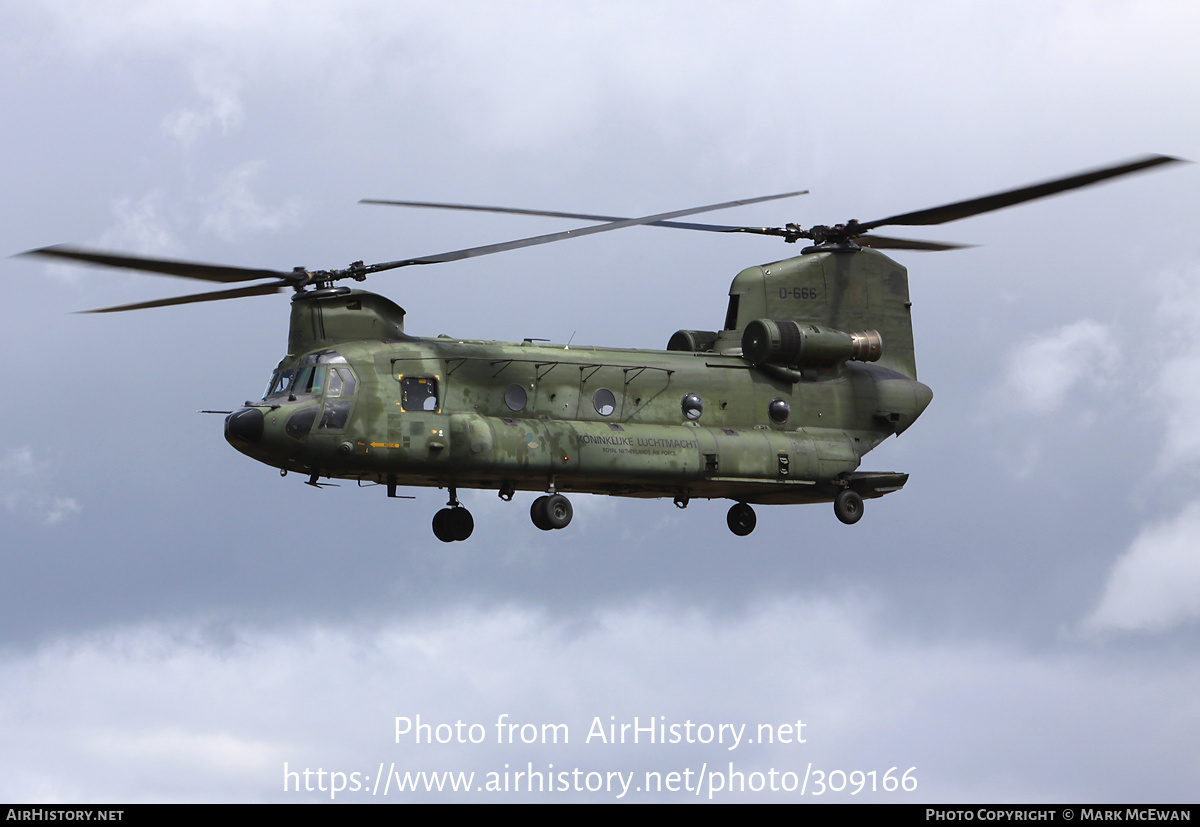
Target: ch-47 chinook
x=814, y=368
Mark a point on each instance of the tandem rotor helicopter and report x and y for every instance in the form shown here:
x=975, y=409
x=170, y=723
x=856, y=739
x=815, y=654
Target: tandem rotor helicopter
x=813, y=368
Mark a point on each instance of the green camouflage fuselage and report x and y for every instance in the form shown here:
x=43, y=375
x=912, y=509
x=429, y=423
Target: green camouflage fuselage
x=378, y=405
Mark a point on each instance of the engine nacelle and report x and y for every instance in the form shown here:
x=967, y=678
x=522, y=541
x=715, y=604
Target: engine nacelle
x=693, y=341
x=791, y=344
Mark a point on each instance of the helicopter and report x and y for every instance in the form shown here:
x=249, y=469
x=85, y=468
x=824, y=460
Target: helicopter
x=814, y=367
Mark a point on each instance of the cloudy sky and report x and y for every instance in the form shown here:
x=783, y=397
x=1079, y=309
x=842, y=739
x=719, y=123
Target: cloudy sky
x=177, y=623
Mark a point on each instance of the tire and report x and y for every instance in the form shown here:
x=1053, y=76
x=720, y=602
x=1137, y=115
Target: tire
x=848, y=506
x=741, y=519
x=558, y=511
x=537, y=513
x=460, y=523
x=442, y=526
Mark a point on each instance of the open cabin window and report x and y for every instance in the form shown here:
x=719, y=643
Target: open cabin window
x=419, y=393
x=310, y=381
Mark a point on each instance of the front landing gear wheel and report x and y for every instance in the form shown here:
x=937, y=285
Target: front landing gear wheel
x=848, y=506
x=452, y=524
x=741, y=519
x=550, y=512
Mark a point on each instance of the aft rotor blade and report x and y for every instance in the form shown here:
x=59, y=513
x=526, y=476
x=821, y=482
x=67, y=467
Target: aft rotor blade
x=183, y=269
x=488, y=249
x=976, y=206
x=712, y=228
x=236, y=293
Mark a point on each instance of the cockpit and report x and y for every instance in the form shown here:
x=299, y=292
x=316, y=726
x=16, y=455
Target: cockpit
x=325, y=373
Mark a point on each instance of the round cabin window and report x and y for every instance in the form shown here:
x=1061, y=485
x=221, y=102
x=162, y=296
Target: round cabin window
x=778, y=410
x=605, y=402
x=515, y=397
x=692, y=406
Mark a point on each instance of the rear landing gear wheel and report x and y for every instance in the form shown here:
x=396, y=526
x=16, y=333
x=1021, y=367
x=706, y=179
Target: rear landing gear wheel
x=741, y=519
x=452, y=524
x=537, y=513
x=848, y=506
x=550, y=512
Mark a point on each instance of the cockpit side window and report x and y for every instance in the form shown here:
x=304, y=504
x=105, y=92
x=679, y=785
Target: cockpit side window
x=419, y=393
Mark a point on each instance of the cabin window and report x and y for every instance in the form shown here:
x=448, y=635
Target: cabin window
x=301, y=422
x=419, y=393
x=692, y=406
x=341, y=383
x=310, y=380
x=515, y=397
x=779, y=410
x=605, y=402
x=334, y=417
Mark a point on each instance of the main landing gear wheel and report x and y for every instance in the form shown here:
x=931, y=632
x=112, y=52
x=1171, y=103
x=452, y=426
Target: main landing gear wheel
x=848, y=506
x=452, y=524
x=741, y=519
x=550, y=512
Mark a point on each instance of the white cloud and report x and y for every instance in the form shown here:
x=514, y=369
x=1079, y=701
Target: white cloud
x=220, y=108
x=20, y=461
x=140, y=226
x=24, y=488
x=180, y=713
x=1155, y=585
x=1176, y=390
x=59, y=508
x=233, y=209
x=209, y=753
x=1044, y=371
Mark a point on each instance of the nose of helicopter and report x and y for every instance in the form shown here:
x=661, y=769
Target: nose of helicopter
x=244, y=427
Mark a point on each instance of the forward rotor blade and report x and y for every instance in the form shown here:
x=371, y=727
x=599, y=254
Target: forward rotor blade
x=712, y=228
x=488, y=249
x=299, y=277
x=182, y=269
x=236, y=293
x=976, y=206
x=880, y=242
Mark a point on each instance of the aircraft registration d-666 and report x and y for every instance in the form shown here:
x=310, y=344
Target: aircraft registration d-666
x=813, y=368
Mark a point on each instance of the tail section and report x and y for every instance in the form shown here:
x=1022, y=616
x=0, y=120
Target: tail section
x=848, y=291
